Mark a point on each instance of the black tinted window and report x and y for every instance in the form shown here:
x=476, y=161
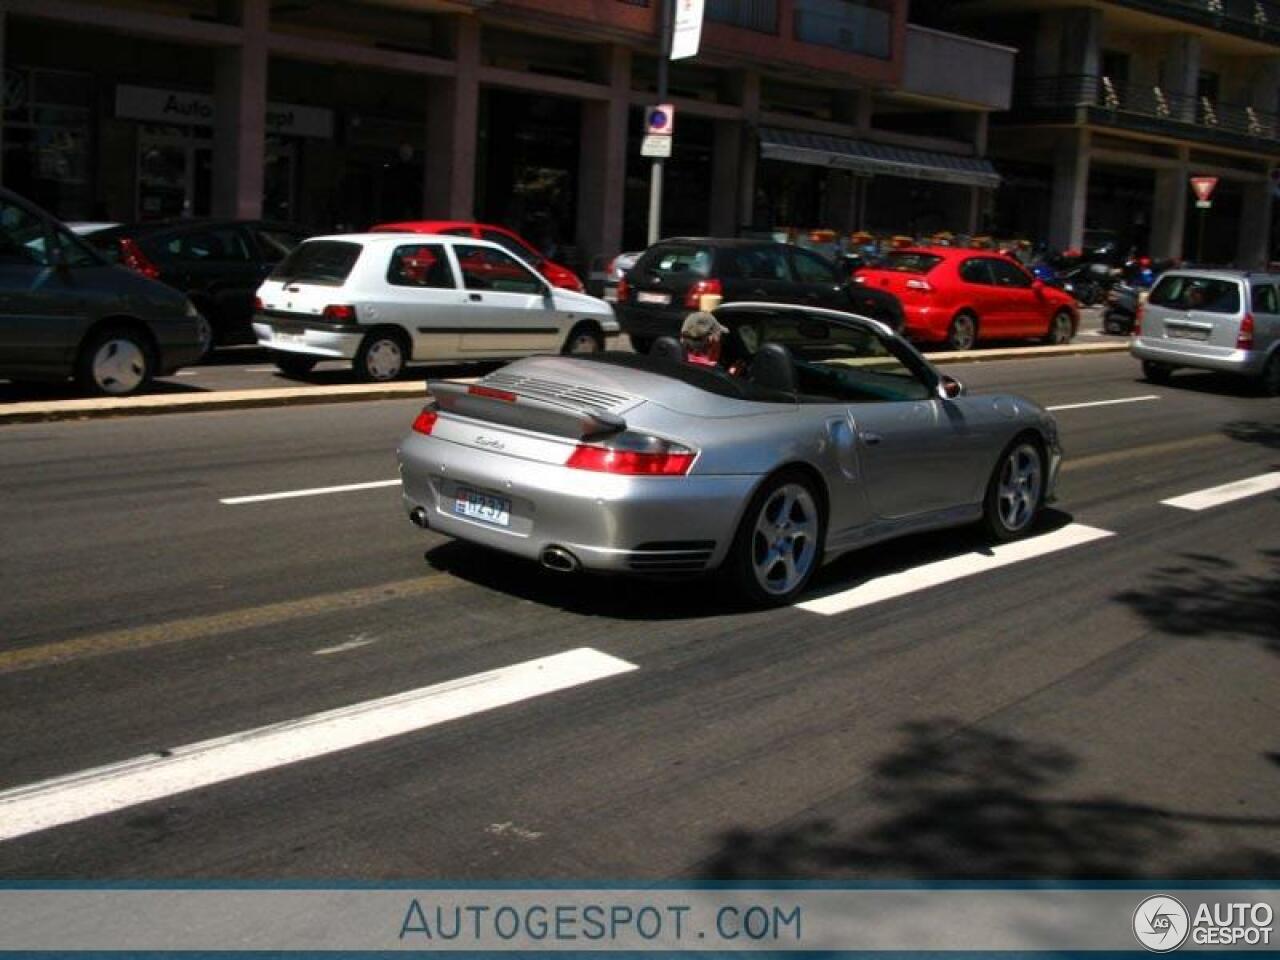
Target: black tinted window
x=24, y=238
x=977, y=270
x=1209, y=294
x=275, y=245
x=908, y=262
x=1008, y=274
x=220, y=245
x=811, y=268
x=1264, y=299
x=762, y=263
x=319, y=261
x=484, y=268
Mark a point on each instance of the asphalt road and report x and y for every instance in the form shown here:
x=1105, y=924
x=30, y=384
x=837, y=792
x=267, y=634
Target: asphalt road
x=1109, y=709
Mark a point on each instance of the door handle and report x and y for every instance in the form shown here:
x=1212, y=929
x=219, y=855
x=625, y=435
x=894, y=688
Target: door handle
x=870, y=439
x=475, y=298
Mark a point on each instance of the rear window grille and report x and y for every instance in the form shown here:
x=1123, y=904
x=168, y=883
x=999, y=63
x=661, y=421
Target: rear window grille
x=559, y=391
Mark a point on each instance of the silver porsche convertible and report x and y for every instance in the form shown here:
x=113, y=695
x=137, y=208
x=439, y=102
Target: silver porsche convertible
x=817, y=432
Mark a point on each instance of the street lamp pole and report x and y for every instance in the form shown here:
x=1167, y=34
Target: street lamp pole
x=655, y=173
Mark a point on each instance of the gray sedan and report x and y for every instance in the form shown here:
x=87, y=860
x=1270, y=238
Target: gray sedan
x=817, y=433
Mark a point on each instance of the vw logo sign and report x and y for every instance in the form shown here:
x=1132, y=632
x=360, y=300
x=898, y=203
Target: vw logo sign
x=1161, y=923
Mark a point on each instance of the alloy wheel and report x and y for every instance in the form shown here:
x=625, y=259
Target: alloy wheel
x=1018, y=492
x=784, y=543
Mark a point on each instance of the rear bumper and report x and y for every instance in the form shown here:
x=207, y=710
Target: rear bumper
x=610, y=523
x=1189, y=353
x=315, y=341
x=924, y=323
x=652, y=323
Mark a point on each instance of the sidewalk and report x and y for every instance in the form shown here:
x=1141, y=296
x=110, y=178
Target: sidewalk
x=99, y=407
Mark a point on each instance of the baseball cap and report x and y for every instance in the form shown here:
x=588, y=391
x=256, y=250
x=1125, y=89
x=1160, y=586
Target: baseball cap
x=700, y=325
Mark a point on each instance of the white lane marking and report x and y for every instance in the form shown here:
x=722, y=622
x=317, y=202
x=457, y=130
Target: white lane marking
x=1103, y=403
x=92, y=793
x=899, y=584
x=269, y=368
x=312, y=492
x=355, y=643
x=187, y=373
x=1216, y=496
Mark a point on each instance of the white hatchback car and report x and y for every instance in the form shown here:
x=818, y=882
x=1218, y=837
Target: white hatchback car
x=382, y=300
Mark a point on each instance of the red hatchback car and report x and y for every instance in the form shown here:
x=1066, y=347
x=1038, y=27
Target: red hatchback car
x=560, y=276
x=956, y=296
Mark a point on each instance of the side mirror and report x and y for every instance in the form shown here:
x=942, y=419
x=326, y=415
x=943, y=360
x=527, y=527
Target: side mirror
x=949, y=388
x=1037, y=285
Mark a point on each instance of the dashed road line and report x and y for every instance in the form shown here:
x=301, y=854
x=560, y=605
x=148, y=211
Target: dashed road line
x=91, y=793
x=1101, y=403
x=891, y=586
x=1226, y=493
x=311, y=492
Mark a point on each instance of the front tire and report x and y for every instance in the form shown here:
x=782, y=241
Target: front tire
x=115, y=362
x=1157, y=373
x=778, y=546
x=381, y=358
x=963, y=332
x=640, y=344
x=1061, y=329
x=584, y=338
x=1015, y=492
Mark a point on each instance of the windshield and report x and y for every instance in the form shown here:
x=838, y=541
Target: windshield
x=325, y=262
x=677, y=260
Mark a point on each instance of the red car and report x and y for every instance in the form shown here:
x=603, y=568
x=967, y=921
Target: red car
x=560, y=276
x=956, y=296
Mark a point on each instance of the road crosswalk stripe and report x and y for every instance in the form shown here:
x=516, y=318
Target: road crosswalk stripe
x=1226, y=493
x=879, y=589
x=91, y=793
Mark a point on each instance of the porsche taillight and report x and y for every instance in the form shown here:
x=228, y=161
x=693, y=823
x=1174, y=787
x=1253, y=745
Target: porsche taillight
x=639, y=457
x=425, y=422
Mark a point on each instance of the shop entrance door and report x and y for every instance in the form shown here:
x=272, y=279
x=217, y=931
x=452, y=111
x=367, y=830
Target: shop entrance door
x=174, y=174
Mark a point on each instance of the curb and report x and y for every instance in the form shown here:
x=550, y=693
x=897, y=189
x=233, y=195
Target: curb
x=101, y=407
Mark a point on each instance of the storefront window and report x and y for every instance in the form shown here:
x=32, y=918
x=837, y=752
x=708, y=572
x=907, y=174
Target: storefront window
x=47, y=140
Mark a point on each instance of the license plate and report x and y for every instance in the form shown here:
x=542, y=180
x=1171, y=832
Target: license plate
x=290, y=337
x=482, y=506
x=1188, y=333
x=644, y=296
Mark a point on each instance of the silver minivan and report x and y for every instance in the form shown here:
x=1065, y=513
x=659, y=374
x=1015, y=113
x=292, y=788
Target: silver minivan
x=1227, y=320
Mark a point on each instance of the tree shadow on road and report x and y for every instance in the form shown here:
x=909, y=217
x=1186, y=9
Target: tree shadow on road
x=1201, y=594
x=963, y=803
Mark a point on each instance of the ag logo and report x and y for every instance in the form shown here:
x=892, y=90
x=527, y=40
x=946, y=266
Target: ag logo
x=1161, y=923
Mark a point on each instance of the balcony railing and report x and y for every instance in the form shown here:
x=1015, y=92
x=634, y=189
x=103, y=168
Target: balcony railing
x=758, y=15
x=856, y=26
x=1149, y=108
x=1259, y=19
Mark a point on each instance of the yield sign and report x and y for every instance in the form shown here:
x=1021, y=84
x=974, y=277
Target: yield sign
x=1203, y=187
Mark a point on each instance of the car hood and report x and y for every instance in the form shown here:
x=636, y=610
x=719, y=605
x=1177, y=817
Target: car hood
x=582, y=303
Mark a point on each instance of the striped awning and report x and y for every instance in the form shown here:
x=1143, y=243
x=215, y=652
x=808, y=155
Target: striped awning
x=872, y=159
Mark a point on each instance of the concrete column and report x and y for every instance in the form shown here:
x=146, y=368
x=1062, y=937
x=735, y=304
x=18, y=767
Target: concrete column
x=453, y=107
x=1169, y=212
x=603, y=160
x=1182, y=75
x=240, y=118
x=971, y=209
x=1070, y=190
x=748, y=148
x=3, y=35
x=726, y=171
x=1253, y=244
x=1264, y=94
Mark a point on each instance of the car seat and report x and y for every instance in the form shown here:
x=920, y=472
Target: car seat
x=773, y=369
x=668, y=348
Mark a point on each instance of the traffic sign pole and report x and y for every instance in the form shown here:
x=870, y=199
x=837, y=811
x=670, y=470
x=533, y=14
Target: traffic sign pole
x=655, y=173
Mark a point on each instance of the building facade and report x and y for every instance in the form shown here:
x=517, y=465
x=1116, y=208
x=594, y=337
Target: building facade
x=1118, y=103
x=338, y=114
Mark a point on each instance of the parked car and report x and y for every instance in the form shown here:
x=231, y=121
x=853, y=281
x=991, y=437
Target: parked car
x=559, y=275
x=674, y=276
x=958, y=297
x=66, y=312
x=1227, y=320
x=382, y=300
x=217, y=263
x=616, y=270
x=839, y=435
x=85, y=228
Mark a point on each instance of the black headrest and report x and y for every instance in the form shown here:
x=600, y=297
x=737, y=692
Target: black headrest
x=669, y=348
x=773, y=369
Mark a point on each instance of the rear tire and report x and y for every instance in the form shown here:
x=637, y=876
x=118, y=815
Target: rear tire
x=640, y=344
x=1015, y=492
x=294, y=364
x=1157, y=373
x=382, y=357
x=778, y=545
x=115, y=362
x=1061, y=329
x=963, y=332
x=1270, y=382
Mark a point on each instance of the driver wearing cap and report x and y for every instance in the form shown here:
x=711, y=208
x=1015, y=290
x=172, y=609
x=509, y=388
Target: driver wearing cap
x=701, y=335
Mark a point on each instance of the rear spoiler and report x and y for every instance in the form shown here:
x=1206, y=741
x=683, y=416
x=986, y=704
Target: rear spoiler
x=509, y=408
